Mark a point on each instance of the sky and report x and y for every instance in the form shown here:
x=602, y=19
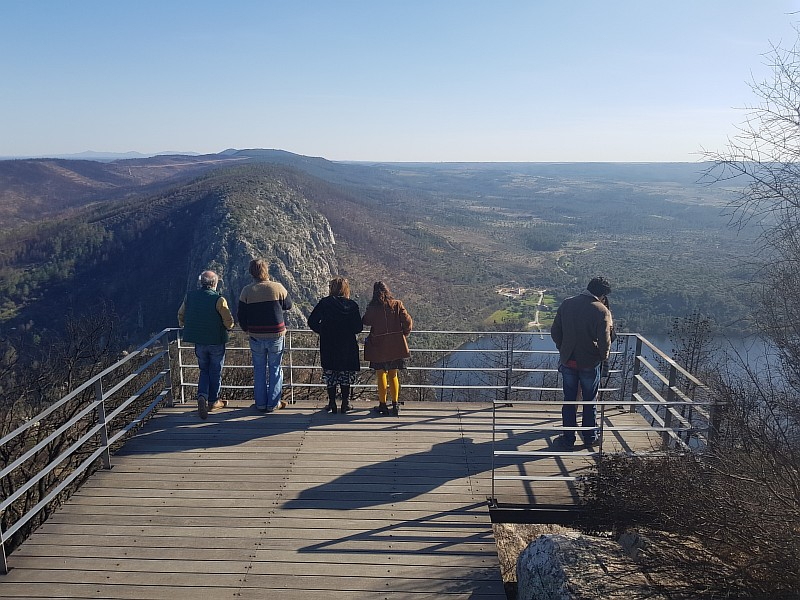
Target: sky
x=375, y=80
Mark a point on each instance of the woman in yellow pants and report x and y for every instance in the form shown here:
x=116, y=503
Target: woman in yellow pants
x=386, y=347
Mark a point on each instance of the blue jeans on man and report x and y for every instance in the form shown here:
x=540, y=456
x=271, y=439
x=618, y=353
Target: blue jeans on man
x=589, y=382
x=210, y=359
x=267, y=373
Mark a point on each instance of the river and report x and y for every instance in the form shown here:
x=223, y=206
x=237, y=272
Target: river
x=482, y=364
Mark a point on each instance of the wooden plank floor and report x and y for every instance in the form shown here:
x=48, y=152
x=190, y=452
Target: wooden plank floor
x=296, y=504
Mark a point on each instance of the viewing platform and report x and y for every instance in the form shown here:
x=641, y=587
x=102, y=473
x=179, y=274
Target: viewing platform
x=300, y=502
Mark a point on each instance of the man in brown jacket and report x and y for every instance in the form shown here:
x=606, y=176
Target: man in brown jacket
x=582, y=333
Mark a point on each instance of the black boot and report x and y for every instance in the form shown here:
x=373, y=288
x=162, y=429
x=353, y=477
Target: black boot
x=346, y=398
x=332, y=400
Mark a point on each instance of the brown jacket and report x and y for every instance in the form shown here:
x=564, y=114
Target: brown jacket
x=389, y=325
x=582, y=330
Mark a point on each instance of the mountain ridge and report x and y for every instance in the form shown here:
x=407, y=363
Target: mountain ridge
x=443, y=236
x=141, y=255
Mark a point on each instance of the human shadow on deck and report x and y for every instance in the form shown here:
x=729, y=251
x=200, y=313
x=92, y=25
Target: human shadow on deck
x=227, y=427
x=382, y=483
x=392, y=481
x=400, y=478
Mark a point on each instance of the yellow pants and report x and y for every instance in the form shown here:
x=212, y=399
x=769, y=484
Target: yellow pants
x=388, y=381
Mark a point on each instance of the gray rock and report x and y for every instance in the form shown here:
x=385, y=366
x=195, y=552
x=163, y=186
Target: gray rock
x=270, y=219
x=572, y=566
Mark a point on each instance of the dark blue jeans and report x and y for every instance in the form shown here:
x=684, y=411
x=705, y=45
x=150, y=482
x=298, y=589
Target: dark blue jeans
x=589, y=382
x=210, y=359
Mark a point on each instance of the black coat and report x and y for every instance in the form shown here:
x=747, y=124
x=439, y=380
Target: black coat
x=337, y=320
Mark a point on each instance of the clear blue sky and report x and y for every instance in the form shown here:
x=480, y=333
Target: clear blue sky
x=406, y=80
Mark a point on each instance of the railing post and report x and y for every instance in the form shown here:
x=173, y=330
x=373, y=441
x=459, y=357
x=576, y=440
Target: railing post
x=509, y=369
x=4, y=565
x=291, y=368
x=494, y=440
x=180, y=367
x=673, y=374
x=636, y=370
x=168, y=369
x=625, y=359
x=101, y=417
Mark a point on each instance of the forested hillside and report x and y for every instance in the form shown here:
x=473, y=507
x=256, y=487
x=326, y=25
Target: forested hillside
x=141, y=255
x=444, y=236
x=663, y=239
x=37, y=188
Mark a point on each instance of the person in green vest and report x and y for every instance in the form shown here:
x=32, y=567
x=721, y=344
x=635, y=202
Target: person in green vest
x=206, y=321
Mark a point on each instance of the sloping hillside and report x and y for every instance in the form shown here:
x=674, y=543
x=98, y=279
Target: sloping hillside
x=40, y=188
x=443, y=236
x=141, y=255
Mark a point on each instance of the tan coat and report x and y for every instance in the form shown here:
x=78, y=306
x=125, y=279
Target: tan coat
x=389, y=325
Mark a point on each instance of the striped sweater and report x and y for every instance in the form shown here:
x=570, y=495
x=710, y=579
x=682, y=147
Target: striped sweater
x=261, y=306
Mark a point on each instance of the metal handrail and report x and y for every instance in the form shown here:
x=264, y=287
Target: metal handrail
x=100, y=426
x=507, y=384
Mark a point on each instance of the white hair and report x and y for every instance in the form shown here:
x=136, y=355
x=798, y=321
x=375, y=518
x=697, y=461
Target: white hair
x=208, y=279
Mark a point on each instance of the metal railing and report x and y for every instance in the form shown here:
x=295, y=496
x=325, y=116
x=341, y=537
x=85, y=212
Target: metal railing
x=643, y=379
x=471, y=366
x=520, y=368
x=76, y=434
x=501, y=368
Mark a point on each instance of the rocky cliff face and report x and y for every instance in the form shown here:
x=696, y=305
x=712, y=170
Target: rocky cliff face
x=140, y=256
x=257, y=212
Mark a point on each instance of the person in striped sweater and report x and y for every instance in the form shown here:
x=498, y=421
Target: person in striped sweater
x=260, y=314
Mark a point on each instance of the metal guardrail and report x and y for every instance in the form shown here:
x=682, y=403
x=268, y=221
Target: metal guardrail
x=517, y=368
x=646, y=380
x=99, y=409
x=502, y=368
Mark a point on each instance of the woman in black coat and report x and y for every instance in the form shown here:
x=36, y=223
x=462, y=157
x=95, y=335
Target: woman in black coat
x=337, y=320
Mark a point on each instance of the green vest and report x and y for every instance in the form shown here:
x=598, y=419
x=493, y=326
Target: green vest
x=202, y=324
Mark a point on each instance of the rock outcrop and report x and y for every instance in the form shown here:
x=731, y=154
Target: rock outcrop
x=265, y=216
x=572, y=566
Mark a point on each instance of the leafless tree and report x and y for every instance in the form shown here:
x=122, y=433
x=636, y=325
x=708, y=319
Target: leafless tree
x=727, y=521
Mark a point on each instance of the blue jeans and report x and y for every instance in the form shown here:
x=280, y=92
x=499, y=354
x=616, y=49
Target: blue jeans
x=267, y=372
x=589, y=382
x=210, y=359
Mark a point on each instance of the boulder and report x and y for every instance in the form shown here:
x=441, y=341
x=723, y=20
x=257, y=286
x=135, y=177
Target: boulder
x=572, y=566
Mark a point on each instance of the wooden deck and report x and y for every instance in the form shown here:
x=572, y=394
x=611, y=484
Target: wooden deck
x=295, y=504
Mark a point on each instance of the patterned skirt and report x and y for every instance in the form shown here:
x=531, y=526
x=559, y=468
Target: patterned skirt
x=332, y=378
x=400, y=363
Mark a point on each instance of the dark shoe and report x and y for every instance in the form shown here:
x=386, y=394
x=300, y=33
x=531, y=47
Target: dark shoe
x=346, y=408
x=217, y=405
x=382, y=409
x=563, y=445
x=590, y=441
x=261, y=408
x=332, y=408
x=202, y=406
x=395, y=409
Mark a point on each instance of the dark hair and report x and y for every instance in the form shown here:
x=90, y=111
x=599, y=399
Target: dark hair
x=339, y=286
x=599, y=286
x=380, y=293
